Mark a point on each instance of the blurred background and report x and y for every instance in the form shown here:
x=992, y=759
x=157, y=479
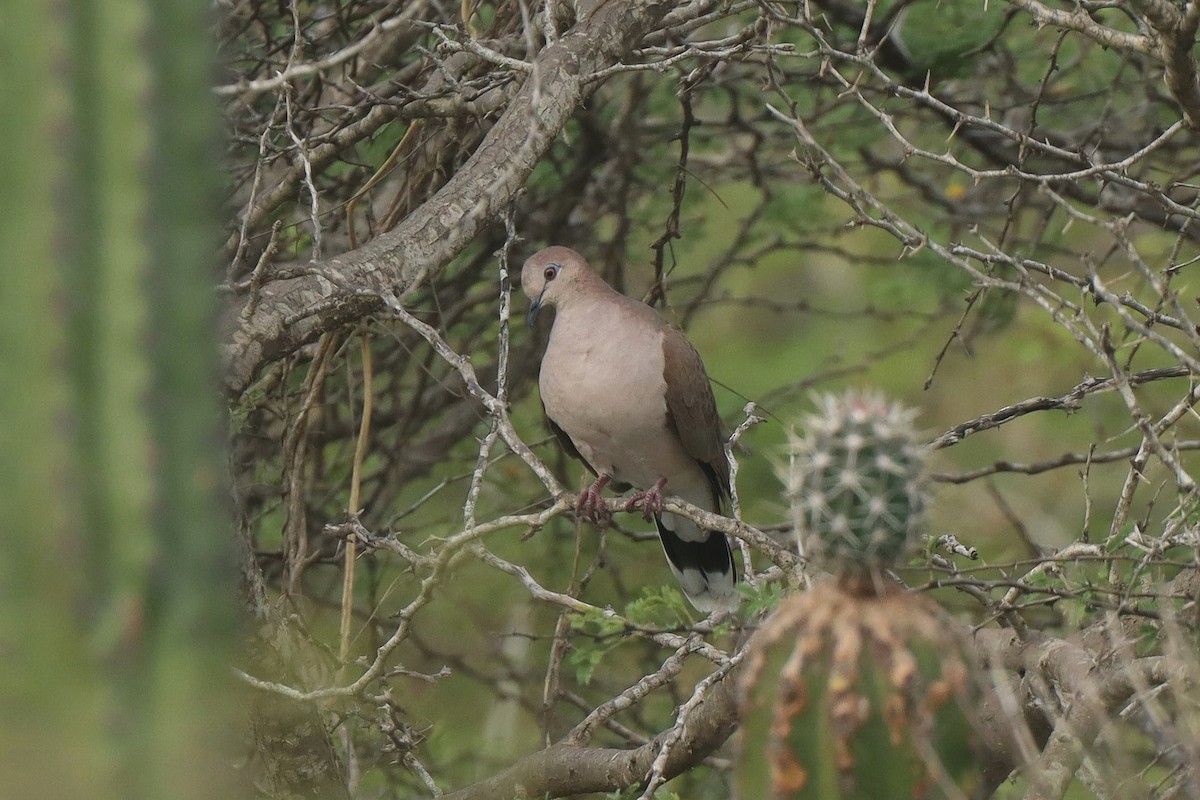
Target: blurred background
x=976, y=208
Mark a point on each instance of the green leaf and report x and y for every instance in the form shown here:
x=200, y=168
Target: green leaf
x=763, y=597
x=584, y=658
x=661, y=607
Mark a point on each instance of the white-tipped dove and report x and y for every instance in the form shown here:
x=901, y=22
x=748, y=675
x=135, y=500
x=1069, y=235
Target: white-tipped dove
x=627, y=395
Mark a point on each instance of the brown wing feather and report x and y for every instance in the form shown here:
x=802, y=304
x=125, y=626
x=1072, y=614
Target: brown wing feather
x=692, y=411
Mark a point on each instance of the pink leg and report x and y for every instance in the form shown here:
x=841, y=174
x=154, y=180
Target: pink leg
x=650, y=500
x=590, y=506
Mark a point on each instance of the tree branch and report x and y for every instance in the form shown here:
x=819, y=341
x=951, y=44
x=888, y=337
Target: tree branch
x=563, y=770
x=352, y=285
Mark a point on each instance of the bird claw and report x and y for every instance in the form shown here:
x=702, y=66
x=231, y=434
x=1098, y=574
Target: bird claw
x=650, y=500
x=590, y=506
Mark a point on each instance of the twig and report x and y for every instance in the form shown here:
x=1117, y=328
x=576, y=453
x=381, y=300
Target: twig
x=949, y=542
x=314, y=207
x=294, y=71
x=258, y=276
x=735, y=502
x=1068, y=402
x=294, y=452
x=353, y=510
x=667, y=671
x=658, y=770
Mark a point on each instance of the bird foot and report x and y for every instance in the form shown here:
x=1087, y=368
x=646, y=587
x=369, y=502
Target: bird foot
x=590, y=507
x=650, y=501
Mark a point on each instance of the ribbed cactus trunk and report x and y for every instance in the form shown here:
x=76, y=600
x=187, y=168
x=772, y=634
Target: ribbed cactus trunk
x=115, y=578
x=855, y=688
x=854, y=696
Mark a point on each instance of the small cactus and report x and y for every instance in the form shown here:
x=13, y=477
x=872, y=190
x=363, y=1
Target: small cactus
x=853, y=482
x=855, y=688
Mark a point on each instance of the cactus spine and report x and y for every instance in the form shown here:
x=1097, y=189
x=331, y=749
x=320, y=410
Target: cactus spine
x=855, y=689
x=854, y=483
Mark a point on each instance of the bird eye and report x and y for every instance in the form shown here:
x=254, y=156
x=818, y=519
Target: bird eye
x=551, y=272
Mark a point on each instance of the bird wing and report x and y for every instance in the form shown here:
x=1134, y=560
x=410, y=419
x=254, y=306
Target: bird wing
x=692, y=411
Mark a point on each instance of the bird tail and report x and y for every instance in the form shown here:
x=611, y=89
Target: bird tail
x=702, y=563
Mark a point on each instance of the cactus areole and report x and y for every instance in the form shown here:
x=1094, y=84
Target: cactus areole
x=854, y=483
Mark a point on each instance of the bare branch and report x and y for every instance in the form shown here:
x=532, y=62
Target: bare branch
x=396, y=263
x=563, y=770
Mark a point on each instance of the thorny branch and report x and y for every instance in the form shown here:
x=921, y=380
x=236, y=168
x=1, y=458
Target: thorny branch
x=1039, y=162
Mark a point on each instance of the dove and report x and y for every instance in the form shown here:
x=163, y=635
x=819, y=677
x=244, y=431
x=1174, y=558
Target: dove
x=627, y=394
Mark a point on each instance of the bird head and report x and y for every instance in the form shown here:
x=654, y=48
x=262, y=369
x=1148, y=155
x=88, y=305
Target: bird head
x=550, y=276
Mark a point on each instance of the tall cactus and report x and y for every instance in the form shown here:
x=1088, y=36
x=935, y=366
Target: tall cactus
x=855, y=689
x=116, y=580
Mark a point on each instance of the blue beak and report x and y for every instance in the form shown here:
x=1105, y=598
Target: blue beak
x=535, y=307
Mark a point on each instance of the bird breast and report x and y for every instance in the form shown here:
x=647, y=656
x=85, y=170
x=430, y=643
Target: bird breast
x=602, y=383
